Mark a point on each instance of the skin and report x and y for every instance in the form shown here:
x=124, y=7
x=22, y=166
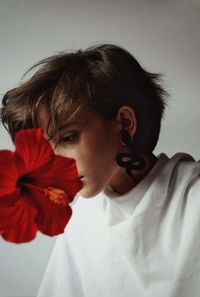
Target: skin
x=94, y=143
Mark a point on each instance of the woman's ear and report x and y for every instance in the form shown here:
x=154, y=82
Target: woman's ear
x=127, y=117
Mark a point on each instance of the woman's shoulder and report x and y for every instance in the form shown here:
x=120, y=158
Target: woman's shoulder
x=180, y=167
x=174, y=179
x=186, y=170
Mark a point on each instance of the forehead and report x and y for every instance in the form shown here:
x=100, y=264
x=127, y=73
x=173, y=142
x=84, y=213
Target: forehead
x=78, y=118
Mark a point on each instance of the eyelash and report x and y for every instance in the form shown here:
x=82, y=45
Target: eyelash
x=69, y=138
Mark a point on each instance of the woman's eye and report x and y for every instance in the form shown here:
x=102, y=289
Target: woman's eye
x=69, y=138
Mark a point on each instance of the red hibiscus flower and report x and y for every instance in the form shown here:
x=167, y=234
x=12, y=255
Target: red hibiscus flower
x=36, y=187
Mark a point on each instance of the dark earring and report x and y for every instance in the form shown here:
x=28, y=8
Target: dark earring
x=129, y=160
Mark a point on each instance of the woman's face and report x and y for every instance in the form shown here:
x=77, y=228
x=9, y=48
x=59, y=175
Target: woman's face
x=94, y=144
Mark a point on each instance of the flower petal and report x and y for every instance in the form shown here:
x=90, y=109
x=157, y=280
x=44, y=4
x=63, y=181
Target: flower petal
x=17, y=219
x=33, y=148
x=8, y=172
x=62, y=174
x=52, y=217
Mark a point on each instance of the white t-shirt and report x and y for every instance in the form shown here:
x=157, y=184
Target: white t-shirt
x=143, y=243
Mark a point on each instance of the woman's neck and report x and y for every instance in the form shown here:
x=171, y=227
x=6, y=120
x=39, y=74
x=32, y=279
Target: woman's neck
x=122, y=183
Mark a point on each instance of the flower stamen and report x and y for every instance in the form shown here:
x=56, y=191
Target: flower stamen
x=56, y=195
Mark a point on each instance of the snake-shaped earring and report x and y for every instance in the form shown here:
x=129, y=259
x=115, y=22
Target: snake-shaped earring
x=129, y=160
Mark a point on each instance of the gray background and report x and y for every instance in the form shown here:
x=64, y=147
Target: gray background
x=163, y=35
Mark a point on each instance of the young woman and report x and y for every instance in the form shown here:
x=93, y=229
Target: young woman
x=135, y=224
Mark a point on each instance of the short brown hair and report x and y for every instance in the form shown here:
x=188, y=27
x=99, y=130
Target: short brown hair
x=102, y=77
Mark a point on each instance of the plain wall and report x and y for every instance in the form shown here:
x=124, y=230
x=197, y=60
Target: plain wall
x=162, y=35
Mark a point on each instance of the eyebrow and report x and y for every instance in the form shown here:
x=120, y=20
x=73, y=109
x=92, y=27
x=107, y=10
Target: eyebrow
x=68, y=125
